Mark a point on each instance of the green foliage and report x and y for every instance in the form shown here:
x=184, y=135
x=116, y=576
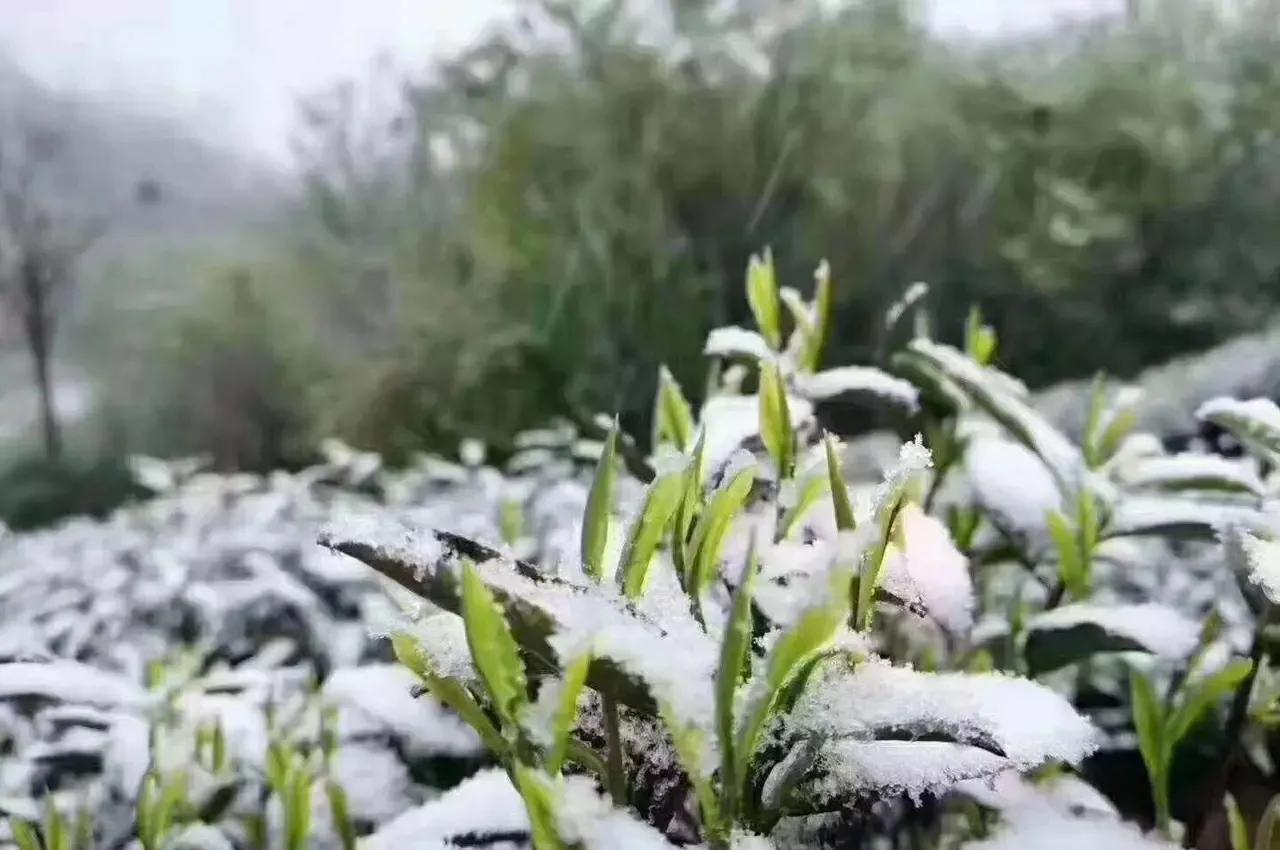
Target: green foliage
x=595, y=524
x=659, y=508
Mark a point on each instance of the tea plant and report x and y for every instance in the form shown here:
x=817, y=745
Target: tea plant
x=745, y=616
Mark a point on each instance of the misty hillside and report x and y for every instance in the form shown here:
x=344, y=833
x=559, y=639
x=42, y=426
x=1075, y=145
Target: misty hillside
x=148, y=178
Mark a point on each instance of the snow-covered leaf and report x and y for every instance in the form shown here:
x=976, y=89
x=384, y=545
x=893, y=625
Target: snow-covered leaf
x=964, y=726
x=844, y=380
x=1075, y=632
x=1255, y=423
x=930, y=569
x=659, y=507
x=736, y=342
x=993, y=392
x=1193, y=472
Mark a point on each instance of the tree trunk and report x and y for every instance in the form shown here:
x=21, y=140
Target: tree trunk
x=39, y=327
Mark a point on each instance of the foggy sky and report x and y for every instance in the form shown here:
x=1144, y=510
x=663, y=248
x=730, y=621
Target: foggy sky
x=234, y=68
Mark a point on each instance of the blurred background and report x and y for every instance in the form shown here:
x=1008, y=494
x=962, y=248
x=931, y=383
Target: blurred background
x=236, y=228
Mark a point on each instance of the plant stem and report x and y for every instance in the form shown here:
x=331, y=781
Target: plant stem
x=617, y=777
x=1231, y=735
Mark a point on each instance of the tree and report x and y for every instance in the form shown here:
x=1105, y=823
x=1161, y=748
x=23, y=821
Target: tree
x=40, y=247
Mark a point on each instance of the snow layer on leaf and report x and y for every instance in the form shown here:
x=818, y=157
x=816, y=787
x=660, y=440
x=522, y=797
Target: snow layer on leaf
x=1025, y=721
x=67, y=681
x=1162, y=630
x=654, y=638
x=733, y=341
x=731, y=420
x=899, y=767
x=1255, y=422
x=1010, y=791
x=378, y=698
x=830, y=383
x=584, y=818
x=1012, y=483
x=1043, y=828
x=1193, y=471
x=485, y=804
x=930, y=568
x=1263, y=558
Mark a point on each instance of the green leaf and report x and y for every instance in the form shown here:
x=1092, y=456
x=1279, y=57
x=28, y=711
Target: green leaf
x=775, y=419
x=537, y=791
x=1070, y=565
x=805, y=640
x=688, y=509
x=812, y=490
x=735, y=649
x=762, y=295
x=494, y=650
x=298, y=810
x=673, y=419
x=1148, y=722
x=822, y=317
x=840, y=501
x=712, y=528
x=691, y=746
x=218, y=745
x=595, y=522
x=24, y=835
x=979, y=338
x=148, y=795
x=340, y=812
x=566, y=716
x=1268, y=837
x=83, y=833
x=873, y=565
x=1198, y=698
x=1093, y=423
x=659, y=507
x=1237, y=829
x=56, y=834
x=448, y=691
x=1120, y=426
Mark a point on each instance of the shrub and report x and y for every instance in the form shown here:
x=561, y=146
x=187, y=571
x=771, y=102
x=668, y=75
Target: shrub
x=808, y=665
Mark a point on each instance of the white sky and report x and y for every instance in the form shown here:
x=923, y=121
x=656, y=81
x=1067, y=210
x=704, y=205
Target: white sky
x=236, y=67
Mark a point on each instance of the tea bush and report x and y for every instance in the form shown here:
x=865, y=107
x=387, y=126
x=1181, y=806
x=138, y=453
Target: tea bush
x=749, y=654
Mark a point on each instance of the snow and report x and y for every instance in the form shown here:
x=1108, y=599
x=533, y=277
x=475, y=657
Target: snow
x=487, y=803
x=1255, y=413
x=734, y=341
x=378, y=698
x=1192, y=470
x=587, y=819
x=68, y=681
x=730, y=420
x=1012, y=483
x=1042, y=828
x=654, y=638
x=930, y=569
x=1027, y=722
x=1160, y=629
x=830, y=383
x=1263, y=559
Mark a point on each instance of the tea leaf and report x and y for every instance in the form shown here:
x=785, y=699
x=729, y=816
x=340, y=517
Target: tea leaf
x=1202, y=696
x=734, y=652
x=566, y=716
x=673, y=419
x=775, y=419
x=762, y=295
x=595, y=523
x=840, y=501
x=536, y=790
x=822, y=317
x=659, y=507
x=494, y=650
x=713, y=526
